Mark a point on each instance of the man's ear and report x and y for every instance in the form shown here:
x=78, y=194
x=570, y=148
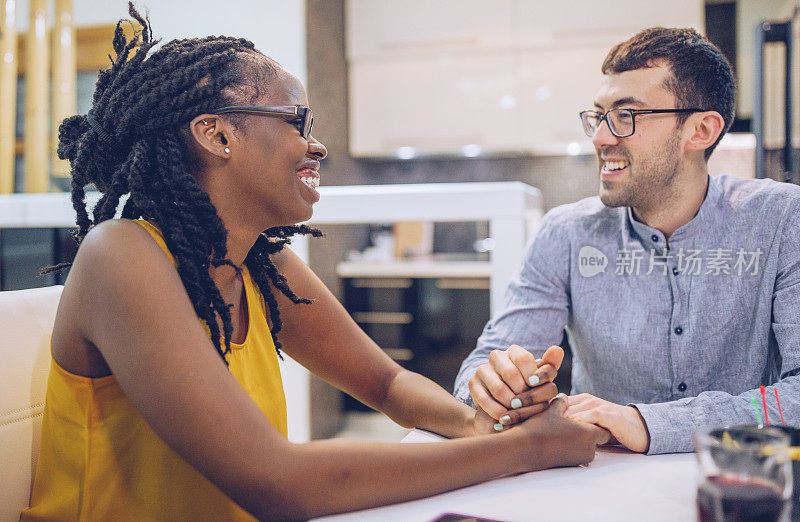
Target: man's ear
x=705, y=128
x=208, y=131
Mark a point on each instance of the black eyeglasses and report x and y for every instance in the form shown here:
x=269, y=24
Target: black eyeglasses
x=303, y=115
x=621, y=122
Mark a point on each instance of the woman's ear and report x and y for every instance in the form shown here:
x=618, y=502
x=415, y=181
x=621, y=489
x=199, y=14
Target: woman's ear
x=208, y=131
x=705, y=128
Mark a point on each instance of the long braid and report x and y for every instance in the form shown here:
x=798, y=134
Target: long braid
x=133, y=143
x=264, y=272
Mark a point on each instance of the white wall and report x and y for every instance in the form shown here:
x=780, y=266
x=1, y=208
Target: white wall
x=276, y=27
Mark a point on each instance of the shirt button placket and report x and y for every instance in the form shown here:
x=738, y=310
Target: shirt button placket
x=678, y=308
x=677, y=341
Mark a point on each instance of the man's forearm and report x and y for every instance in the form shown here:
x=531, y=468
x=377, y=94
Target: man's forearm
x=671, y=424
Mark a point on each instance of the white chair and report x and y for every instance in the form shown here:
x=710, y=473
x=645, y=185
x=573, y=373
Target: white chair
x=26, y=322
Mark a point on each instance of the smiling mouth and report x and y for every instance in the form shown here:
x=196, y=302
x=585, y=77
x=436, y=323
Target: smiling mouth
x=309, y=177
x=614, y=167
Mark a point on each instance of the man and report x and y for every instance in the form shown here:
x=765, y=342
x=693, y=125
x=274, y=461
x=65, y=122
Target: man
x=680, y=293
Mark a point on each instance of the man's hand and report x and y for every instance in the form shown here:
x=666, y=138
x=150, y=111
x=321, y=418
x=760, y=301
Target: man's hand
x=624, y=422
x=513, y=386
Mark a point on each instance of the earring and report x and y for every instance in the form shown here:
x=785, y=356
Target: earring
x=227, y=150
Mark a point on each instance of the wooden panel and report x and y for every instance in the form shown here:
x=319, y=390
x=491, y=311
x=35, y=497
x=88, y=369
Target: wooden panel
x=64, y=78
x=9, y=61
x=84, y=49
x=92, y=46
x=37, y=172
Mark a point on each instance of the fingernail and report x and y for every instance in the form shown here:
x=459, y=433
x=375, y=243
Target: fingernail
x=533, y=380
x=538, y=361
x=498, y=427
x=516, y=403
x=561, y=396
x=505, y=419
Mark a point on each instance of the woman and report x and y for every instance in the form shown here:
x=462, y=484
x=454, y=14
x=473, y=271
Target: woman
x=152, y=414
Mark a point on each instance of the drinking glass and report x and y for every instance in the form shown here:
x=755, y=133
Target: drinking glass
x=745, y=474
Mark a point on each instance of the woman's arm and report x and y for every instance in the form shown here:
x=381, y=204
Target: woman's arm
x=324, y=338
x=127, y=300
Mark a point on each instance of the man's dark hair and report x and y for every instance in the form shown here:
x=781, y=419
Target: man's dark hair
x=701, y=75
x=134, y=141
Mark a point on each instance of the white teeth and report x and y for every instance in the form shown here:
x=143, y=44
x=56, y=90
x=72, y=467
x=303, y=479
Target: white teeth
x=310, y=181
x=616, y=165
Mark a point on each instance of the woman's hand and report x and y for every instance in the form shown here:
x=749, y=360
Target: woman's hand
x=513, y=386
x=558, y=441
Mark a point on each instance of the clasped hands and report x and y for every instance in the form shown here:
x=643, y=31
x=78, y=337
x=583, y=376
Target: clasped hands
x=514, y=386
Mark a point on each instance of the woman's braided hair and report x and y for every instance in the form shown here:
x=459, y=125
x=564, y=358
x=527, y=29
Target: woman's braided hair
x=133, y=142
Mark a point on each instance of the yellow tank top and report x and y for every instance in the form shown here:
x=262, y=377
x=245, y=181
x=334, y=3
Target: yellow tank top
x=100, y=460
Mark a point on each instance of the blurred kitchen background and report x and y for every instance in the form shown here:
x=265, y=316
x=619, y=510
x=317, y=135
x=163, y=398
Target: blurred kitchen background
x=403, y=92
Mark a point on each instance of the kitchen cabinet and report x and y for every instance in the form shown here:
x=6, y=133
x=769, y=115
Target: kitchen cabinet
x=469, y=77
x=424, y=315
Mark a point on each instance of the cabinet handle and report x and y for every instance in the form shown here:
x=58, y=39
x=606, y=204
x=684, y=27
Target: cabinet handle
x=381, y=283
x=383, y=317
x=463, y=284
x=399, y=354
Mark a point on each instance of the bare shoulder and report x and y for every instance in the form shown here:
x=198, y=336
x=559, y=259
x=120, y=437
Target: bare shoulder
x=115, y=259
x=116, y=239
x=118, y=258
x=125, y=300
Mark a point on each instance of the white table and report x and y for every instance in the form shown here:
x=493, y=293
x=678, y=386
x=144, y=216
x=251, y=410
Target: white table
x=618, y=485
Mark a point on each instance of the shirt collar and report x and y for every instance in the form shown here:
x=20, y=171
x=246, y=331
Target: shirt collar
x=654, y=238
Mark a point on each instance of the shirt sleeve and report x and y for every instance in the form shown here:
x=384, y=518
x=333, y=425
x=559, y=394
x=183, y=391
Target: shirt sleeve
x=535, y=305
x=671, y=424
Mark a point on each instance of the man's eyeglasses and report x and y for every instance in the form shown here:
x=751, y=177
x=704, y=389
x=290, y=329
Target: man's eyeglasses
x=300, y=116
x=621, y=122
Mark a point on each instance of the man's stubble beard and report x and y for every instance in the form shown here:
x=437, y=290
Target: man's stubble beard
x=650, y=181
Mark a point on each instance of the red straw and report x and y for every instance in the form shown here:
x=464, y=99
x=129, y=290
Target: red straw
x=764, y=401
x=779, y=405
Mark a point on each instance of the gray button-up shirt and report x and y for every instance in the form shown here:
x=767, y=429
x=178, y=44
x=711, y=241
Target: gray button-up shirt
x=685, y=329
